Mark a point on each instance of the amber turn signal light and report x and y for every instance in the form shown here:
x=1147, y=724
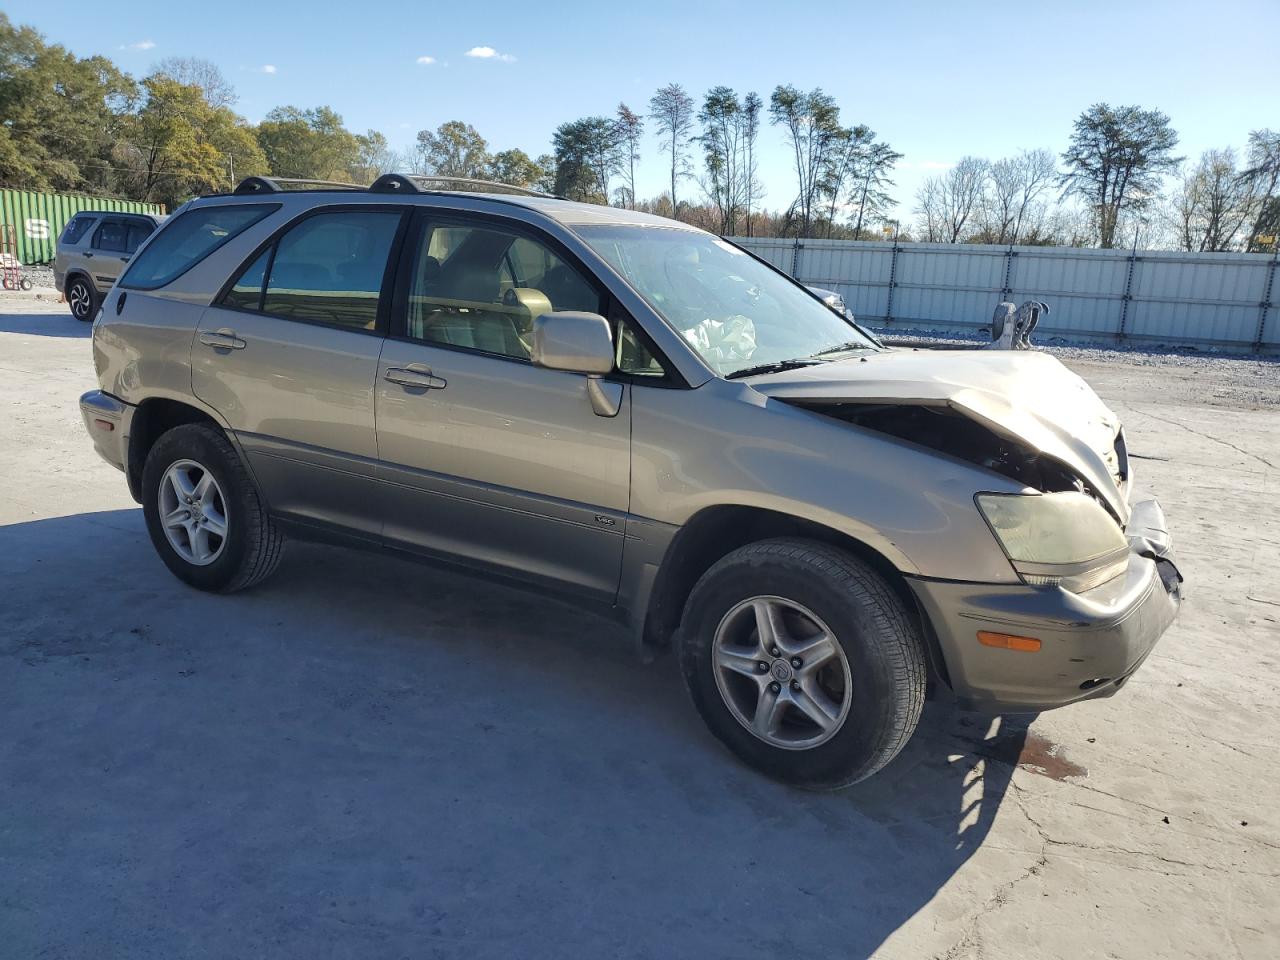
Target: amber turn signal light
x=1007, y=641
x=106, y=425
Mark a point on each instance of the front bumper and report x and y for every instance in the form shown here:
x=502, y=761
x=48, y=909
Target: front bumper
x=107, y=420
x=1091, y=642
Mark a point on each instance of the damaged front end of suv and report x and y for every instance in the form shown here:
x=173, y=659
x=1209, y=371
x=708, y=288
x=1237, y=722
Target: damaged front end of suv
x=1096, y=581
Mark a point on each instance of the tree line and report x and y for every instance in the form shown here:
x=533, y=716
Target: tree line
x=83, y=125
x=1109, y=188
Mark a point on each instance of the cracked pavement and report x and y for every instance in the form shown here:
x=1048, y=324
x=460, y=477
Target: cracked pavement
x=368, y=758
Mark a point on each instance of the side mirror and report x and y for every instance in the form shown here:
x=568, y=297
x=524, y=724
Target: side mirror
x=573, y=341
x=579, y=343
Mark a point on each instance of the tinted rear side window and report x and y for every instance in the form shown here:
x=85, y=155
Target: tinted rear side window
x=111, y=236
x=188, y=239
x=137, y=233
x=77, y=228
x=330, y=268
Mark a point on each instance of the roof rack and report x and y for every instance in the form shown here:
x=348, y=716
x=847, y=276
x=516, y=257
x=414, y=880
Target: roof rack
x=419, y=183
x=280, y=184
x=387, y=183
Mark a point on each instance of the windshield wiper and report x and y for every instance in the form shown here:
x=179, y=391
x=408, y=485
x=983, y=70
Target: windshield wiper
x=845, y=348
x=776, y=367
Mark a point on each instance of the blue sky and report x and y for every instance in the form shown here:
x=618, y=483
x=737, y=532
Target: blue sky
x=938, y=80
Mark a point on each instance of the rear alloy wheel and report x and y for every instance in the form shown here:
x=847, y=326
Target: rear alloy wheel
x=81, y=299
x=203, y=511
x=803, y=661
x=193, y=511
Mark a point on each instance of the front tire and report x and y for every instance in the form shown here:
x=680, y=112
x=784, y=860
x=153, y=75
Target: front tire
x=82, y=299
x=203, y=512
x=804, y=662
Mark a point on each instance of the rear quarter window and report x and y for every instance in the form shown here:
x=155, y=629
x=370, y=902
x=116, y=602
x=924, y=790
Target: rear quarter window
x=187, y=239
x=76, y=228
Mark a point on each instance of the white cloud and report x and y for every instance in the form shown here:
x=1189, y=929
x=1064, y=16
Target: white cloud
x=267, y=68
x=139, y=45
x=488, y=53
x=426, y=61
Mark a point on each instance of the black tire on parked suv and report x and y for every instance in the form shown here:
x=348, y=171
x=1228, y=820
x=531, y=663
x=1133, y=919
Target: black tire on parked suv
x=82, y=299
x=203, y=511
x=803, y=661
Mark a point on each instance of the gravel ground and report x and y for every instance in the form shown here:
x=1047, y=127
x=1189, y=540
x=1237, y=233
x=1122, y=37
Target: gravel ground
x=40, y=276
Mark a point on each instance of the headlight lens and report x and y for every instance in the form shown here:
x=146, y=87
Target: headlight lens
x=1057, y=539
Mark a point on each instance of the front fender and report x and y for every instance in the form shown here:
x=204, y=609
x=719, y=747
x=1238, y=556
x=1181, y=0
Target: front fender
x=725, y=444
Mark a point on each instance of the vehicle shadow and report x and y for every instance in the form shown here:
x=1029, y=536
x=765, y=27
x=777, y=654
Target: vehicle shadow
x=59, y=324
x=368, y=753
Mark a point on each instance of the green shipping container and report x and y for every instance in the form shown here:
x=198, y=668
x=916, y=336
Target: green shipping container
x=38, y=218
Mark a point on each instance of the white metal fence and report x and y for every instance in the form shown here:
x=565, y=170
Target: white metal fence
x=1219, y=300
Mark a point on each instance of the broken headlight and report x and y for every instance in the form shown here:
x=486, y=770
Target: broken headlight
x=1057, y=539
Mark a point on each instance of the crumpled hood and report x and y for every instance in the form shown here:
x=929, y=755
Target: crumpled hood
x=1026, y=396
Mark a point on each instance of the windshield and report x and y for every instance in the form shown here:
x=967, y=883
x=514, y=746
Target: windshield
x=737, y=312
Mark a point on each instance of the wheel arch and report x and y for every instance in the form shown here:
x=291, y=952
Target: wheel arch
x=150, y=420
x=714, y=532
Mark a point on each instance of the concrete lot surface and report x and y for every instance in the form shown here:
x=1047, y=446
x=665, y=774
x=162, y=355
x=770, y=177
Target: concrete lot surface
x=366, y=758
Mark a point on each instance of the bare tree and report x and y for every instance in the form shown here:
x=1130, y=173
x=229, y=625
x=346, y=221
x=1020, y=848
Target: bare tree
x=198, y=72
x=1115, y=161
x=847, y=147
x=1263, y=179
x=947, y=204
x=870, y=180
x=723, y=151
x=672, y=112
x=1014, y=188
x=812, y=124
x=1212, y=204
x=630, y=126
x=751, y=105
x=928, y=210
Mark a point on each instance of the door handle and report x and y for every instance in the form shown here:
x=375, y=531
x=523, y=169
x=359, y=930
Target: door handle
x=222, y=340
x=416, y=377
x=88, y=255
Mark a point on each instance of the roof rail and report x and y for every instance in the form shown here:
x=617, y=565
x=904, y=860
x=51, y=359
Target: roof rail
x=418, y=183
x=251, y=185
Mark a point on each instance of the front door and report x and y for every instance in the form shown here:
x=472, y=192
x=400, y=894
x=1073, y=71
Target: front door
x=289, y=357
x=484, y=457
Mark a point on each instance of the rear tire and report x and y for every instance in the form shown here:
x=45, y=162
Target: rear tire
x=82, y=299
x=826, y=724
x=204, y=514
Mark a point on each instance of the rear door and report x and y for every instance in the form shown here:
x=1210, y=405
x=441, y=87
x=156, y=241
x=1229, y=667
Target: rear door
x=487, y=459
x=289, y=356
x=108, y=252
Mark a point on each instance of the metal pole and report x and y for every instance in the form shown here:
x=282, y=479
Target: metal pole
x=1266, y=303
x=1008, y=272
x=893, y=273
x=795, y=260
x=1128, y=286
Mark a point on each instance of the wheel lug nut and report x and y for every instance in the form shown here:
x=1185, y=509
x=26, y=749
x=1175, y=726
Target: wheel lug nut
x=795, y=685
x=774, y=651
x=762, y=666
x=797, y=662
x=775, y=687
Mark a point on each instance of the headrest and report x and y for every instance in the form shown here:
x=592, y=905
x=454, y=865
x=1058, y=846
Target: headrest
x=533, y=301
